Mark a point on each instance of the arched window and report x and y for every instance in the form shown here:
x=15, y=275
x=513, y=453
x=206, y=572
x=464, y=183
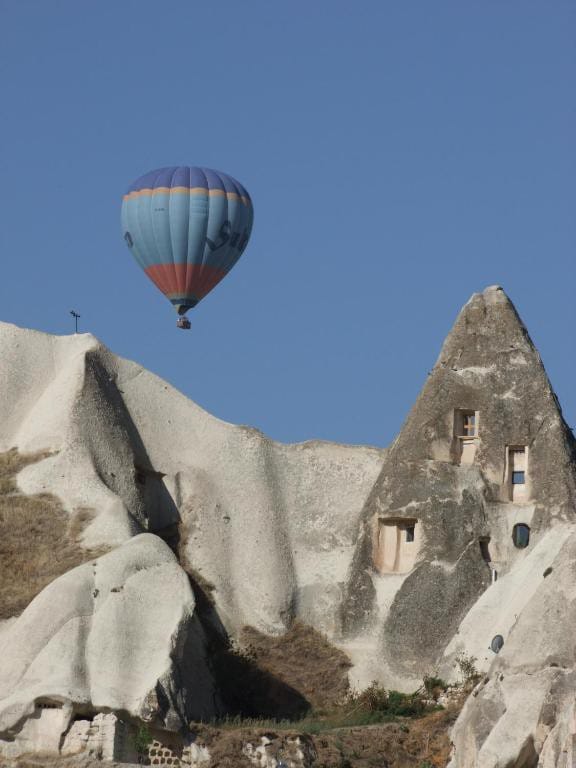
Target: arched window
x=521, y=535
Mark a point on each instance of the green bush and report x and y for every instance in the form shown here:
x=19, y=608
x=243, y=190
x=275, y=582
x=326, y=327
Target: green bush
x=142, y=739
x=405, y=704
x=376, y=699
x=371, y=699
x=434, y=686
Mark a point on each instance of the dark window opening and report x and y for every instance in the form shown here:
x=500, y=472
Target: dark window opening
x=497, y=643
x=484, y=551
x=521, y=535
x=409, y=533
x=518, y=478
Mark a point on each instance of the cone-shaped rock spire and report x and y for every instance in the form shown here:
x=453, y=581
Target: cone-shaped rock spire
x=483, y=449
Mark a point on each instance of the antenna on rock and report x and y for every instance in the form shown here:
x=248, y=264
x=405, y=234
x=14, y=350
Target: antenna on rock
x=75, y=315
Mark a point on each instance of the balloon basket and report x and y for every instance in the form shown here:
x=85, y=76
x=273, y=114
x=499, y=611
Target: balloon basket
x=183, y=323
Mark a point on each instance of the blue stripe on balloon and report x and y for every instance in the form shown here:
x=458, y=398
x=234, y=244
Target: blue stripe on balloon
x=173, y=228
x=190, y=177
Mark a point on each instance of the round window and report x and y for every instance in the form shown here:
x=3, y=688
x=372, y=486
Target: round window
x=521, y=535
x=497, y=643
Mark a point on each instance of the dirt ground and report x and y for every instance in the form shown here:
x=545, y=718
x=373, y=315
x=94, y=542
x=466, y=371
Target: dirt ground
x=421, y=743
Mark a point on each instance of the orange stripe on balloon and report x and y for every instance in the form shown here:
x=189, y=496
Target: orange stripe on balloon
x=186, y=191
x=185, y=279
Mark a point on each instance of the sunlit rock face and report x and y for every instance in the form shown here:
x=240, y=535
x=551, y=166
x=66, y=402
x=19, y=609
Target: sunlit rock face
x=271, y=528
x=484, y=449
x=117, y=633
x=265, y=531
x=523, y=709
x=461, y=532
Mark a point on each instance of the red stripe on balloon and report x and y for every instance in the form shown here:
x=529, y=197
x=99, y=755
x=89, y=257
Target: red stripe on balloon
x=184, y=279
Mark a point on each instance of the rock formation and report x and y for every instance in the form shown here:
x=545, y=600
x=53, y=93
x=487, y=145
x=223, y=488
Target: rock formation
x=455, y=542
x=522, y=712
x=266, y=529
x=448, y=481
x=270, y=527
x=118, y=633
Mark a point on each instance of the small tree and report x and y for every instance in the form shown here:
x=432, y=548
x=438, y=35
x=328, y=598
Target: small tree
x=142, y=740
x=467, y=667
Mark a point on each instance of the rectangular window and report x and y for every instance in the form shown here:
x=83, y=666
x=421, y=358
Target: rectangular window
x=469, y=424
x=466, y=429
x=465, y=423
x=518, y=457
x=518, y=479
x=395, y=545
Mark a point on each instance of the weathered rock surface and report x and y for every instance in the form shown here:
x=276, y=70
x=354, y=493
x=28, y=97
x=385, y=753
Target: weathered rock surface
x=455, y=491
x=271, y=527
x=407, y=557
x=118, y=633
x=523, y=710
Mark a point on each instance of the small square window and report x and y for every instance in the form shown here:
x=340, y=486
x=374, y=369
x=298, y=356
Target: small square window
x=410, y=533
x=518, y=478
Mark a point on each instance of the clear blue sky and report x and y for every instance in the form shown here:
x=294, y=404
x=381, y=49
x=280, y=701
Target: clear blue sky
x=400, y=155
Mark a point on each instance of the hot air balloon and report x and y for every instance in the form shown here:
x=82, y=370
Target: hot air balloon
x=186, y=228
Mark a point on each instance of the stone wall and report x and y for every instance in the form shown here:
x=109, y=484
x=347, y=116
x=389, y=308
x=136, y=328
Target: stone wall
x=104, y=737
x=53, y=730
x=42, y=731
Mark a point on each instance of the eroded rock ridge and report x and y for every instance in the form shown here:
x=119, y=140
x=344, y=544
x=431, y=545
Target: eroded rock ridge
x=456, y=541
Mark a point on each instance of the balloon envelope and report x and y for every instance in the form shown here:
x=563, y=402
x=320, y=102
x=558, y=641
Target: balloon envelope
x=186, y=227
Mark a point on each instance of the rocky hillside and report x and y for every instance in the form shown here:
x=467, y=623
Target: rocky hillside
x=144, y=541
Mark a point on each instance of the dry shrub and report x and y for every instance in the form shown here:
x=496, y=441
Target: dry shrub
x=13, y=462
x=225, y=747
x=400, y=744
x=39, y=541
x=303, y=659
x=411, y=744
x=273, y=678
